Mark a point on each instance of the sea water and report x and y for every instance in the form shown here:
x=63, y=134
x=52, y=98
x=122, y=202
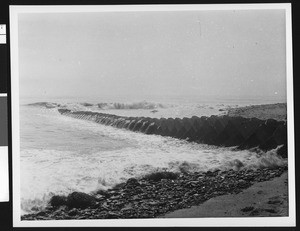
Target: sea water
x=60, y=154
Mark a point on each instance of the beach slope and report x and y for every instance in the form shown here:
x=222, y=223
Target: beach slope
x=265, y=199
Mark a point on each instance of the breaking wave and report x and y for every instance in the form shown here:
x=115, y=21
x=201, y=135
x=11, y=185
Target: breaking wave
x=103, y=106
x=99, y=157
x=137, y=105
x=269, y=159
x=44, y=104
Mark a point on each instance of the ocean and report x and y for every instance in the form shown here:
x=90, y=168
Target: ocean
x=60, y=154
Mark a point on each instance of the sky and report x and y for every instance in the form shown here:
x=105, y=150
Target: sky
x=239, y=54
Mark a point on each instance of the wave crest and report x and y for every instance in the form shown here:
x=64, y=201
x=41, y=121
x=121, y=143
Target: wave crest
x=136, y=105
x=270, y=159
x=103, y=106
x=44, y=104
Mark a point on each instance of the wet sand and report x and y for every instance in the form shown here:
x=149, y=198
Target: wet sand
x=263, y=199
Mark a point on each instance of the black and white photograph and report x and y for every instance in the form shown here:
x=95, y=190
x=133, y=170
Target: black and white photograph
x=158, y=115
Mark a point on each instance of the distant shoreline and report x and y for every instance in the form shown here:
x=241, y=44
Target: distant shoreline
x=277, y=111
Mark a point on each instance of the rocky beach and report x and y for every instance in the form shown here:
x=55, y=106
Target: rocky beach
x=168, y=194
x=263, y=199
x=156, y=195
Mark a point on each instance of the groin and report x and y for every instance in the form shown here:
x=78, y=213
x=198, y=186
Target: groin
x=227, y=131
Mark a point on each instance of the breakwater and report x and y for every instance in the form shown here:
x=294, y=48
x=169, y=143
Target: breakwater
x=245, y=133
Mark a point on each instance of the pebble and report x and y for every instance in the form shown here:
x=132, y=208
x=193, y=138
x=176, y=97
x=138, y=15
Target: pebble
x=150, y=199
x=72, y=212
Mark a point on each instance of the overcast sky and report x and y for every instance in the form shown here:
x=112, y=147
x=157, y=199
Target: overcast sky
x=137, y=54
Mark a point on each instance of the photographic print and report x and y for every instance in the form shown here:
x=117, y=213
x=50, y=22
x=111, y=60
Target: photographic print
x=140, y=115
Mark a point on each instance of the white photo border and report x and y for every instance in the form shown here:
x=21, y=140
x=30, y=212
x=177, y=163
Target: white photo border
x=178, y=222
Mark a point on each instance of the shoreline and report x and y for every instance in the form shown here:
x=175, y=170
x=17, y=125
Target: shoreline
x=169, y=192
x=263, y=199
x=263, y=111
x=155, y=196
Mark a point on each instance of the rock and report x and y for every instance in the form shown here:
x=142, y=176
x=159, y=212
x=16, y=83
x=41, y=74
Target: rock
x=209, y=173
x=64, y=111
x=119, y=186
x=57, y=201
x=270, y=210
x=206, y=133
x=120, y=123
x=138, y=125
x=112, y=215
x=80, y=200
x=73, y=212
x=60, y=210
x=242, y=182
x=192, y=184
x=132, y=124
x=87, y=104
x=99, y=197
x=132, y=182
x=151, y=129
x=238, y=164
x=230, y=136
x=247, y=209
x=115, y=197
x=151, y=198
x=102, y=193
x=260, y=136
x=156, y=203
x=278, y=137
x=190, y=135
x=283, y=151
x=42, y=213
x=273, y=201
x=157, y=176
x=126, y=124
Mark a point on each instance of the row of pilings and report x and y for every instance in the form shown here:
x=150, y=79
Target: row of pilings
x=214, y=130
